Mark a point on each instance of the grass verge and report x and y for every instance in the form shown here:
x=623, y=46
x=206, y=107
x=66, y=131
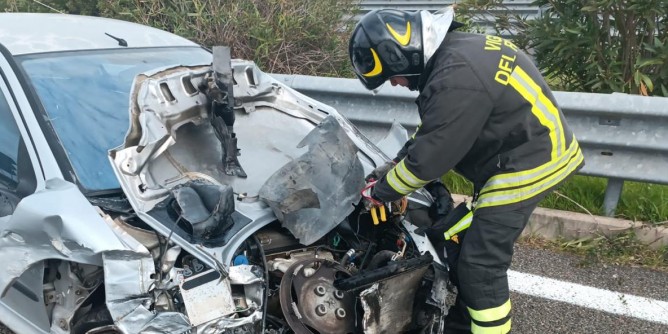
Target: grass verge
x=623, y=249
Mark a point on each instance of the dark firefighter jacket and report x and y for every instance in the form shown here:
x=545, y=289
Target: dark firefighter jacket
x=487, y=112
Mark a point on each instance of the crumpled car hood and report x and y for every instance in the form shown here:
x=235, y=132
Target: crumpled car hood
x=171, y=142
x=315, y=192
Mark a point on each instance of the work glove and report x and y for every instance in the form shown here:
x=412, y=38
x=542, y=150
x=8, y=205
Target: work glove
x=379, y=171
x=447, y=236
x=378, y=209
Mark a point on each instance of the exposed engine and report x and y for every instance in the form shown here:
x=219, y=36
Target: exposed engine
x=339, y=284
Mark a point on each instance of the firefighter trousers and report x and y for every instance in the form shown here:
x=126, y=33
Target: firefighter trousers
x=483, y=300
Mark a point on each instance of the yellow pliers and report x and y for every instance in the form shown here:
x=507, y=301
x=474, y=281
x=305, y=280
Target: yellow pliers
x=374, y=214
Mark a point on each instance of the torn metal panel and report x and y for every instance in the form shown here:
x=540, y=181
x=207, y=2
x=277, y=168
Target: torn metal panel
x=133, y=238
x=422, y=242
x=245, y=275
x=167, y=323
x=252, y=279
x=59, y=213
x=206, y=207
x=127, y=274
x=219, y=90
x=169, y=258
x=54, y=223
x=165, y=109
x=394, y=140
x=327, y=179
x=23, y=298
x=28, y=252
x=127, y=284
x=388, y=305
x=160, y=103
x=127, y=279
x=231, y=325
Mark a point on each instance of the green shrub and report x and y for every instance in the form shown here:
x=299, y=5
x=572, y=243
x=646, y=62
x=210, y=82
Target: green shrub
x=592, y=45
x=281, y=36
x=81, y=7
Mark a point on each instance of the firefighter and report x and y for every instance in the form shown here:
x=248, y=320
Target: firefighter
x=485, y=112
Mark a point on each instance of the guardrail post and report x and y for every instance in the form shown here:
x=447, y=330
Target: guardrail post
x=612, y=193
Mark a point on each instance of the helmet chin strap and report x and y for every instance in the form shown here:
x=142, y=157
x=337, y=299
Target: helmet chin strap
x=413, y=81
x=434, y=28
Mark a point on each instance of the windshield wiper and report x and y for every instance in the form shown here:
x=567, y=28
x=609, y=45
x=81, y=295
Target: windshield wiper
x=120, y=41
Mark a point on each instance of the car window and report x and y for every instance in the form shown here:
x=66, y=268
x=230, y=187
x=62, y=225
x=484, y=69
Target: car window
x=86, y=97
x=10, y=138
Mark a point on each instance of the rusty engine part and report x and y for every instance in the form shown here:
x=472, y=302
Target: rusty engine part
x=310, y=302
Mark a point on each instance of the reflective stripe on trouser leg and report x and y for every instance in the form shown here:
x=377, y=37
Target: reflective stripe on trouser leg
x=483, y=262
x=495, y=320
x=493, y=329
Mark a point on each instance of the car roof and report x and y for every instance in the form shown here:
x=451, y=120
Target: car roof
x=26, y=33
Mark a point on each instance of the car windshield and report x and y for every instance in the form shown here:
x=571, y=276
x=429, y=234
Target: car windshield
x=86, y=98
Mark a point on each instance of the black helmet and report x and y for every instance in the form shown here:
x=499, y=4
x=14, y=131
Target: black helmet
x=387, y=43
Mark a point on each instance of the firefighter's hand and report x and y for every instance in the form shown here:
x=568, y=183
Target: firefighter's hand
x=380, y=171
x=380, y=212
x=367, y=197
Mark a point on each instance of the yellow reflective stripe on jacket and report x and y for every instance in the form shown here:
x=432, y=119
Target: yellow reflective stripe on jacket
x=541, y=106
x=416, y=130
x=461, y=225
x=516, y=179
x=491, y=314
x=501, y=329
x=406, y=175
x=396, y=184
x=403, y=180
x=552, y=109
x=496, y=198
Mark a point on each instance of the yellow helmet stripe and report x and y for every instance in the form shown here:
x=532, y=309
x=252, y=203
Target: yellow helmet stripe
x=377, y=67
x=402, y=39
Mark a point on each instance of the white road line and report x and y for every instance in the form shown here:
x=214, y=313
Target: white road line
x=589, y=297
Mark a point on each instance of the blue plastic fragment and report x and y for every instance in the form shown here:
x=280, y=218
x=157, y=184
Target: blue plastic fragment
x=240, y=259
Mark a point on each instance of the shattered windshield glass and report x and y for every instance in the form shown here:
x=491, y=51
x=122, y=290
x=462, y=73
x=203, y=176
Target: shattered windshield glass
x=85, y=95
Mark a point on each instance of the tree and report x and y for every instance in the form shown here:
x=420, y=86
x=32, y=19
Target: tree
x=593, y=45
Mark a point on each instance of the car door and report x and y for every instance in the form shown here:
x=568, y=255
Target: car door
x=18, y=180
x=17, y=176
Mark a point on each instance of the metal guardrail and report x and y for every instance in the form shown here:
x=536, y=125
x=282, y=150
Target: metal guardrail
x=522, y=7
x=623, y=137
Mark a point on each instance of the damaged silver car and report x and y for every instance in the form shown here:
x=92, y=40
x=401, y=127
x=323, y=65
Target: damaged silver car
x=149, y=185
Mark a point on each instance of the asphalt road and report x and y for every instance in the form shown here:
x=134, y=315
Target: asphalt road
x=540, y=315
x=533, y=314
